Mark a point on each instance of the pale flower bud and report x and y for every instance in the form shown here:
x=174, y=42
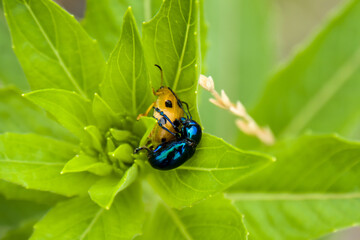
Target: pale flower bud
x=225, y=99
x=207, y=83
x=246, y=123
x=217, y=103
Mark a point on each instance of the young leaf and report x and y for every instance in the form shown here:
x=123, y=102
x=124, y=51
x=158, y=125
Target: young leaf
x=126, y=86
x=143, y=127
x=104, y=116
x=171, y=40
x=16, y=192
x=53, y=49
x=317, y=89
x=93, y=138
x=69, y=108
x=124, y=153
x=83, y=162
x=215, y=218
x=35, y=162
x=103, y=19
x=80, y=218
x=215, y=166
x=22, y=116
x=311, y=190
x=105, y=190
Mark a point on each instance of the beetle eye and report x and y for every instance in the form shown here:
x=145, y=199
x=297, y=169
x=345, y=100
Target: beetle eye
x=182, y=119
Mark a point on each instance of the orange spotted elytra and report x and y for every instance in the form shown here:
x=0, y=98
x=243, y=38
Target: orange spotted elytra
x=171, y=106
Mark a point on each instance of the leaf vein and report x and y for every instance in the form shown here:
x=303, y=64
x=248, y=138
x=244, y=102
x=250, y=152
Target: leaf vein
x=56, y=52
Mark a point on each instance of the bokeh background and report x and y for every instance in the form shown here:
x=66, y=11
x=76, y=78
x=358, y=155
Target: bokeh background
x=233, y=59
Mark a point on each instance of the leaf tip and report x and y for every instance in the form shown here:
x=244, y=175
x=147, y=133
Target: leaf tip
x=128, y=12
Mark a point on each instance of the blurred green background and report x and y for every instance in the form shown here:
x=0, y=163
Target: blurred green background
x=244, y=49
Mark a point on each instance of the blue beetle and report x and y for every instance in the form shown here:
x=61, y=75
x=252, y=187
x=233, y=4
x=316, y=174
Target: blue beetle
x=172, y=154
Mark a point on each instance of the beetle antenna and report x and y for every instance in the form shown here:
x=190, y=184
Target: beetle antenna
x=162, y=75
x=187, y=107
x=180, y=103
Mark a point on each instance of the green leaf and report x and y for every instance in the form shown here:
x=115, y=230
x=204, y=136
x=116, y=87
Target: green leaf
x=52, y=47
x=215, y=166
x=22, y=116
x=124, y=153
x=16, y=192
x=203, y=35
x=35, y=162
x=93, y=138
x=215, y=218
x=121, y=135
x=311, y=190
x=103, y=19
x=171, y=40
x=15, y=212
x=105, y=190
x=22, y=232
x=104, y=116
x=69, y=108
x=126, y=86
x=10, y=70
x=317, y=89
x=143, y=127
x=80, y=218
x=83, y=162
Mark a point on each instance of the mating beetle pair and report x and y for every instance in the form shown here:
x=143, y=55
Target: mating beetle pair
x=176, y=146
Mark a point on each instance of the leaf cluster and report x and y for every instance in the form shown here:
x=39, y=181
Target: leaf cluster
x=67, y=168
x=73, y=151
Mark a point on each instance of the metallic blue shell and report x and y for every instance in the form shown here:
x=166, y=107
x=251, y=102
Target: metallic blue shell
x=170, y=155
x=192, y=131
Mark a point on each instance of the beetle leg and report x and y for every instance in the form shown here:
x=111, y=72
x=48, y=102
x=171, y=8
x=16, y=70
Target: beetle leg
x=166, y=117
x=141, y=148
x=161, y=125
x=154, y=92
x=187, y=106
x=147, y=111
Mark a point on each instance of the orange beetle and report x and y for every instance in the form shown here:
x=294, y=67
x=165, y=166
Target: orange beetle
x=169, y=103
